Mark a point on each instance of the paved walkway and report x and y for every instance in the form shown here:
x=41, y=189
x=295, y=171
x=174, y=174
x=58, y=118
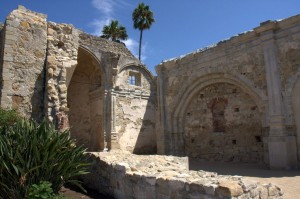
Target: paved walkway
x=288, y=181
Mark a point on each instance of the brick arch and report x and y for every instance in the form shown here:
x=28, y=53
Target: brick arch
x=177, y=120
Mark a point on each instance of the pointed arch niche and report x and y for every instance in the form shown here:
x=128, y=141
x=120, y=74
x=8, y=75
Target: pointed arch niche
x=223, y=123
x=85, y=101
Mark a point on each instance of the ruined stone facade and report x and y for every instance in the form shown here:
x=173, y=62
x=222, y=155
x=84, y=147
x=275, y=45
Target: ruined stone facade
x=93, y=86
x=235, y=101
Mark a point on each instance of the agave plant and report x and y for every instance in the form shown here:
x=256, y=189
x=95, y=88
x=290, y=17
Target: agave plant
x=31, y=153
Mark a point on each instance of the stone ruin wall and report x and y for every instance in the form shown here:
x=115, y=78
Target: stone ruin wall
x=135, y=110
x=239, y=57
x=41, y=58
x=223, y=109
x=25, y=41
x=125, y=175
x=236, y=64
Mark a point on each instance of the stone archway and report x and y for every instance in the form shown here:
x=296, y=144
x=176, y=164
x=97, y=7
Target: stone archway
x=296, y=110
x=85, y=102
x=223, y=123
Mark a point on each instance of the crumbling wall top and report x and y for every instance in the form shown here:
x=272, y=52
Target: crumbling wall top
x=96, y=43
x=22, y=9
x=250, y=35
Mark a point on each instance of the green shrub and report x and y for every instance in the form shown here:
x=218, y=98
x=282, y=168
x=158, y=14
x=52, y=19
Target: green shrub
x=32, y=153
x=43, y=190
x=8, y=117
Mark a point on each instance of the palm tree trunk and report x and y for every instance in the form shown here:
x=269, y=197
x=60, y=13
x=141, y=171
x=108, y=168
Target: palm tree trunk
x=140, y=47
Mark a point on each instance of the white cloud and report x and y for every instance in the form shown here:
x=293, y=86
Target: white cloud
x=144, y=51
x=105, y=6
x=133, y=46
x=98, y=25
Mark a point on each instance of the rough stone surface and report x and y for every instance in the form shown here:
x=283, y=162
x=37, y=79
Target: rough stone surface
x=223, y=123
x=237, y=100
x=124, y=175
x=25, y=40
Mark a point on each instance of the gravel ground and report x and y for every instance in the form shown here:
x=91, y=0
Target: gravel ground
x=287, y=180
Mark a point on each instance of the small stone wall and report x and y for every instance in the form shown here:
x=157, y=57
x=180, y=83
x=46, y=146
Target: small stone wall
x=124, y=175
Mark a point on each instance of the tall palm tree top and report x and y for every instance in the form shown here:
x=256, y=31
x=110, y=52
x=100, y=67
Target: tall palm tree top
x=142, y=17
x=114, y=31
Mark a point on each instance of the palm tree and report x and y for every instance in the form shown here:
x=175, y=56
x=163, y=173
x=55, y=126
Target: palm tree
x=142, y=18
x=114, y=31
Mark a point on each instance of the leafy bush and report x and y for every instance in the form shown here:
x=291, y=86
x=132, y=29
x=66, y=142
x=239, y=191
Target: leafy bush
x=31, y=153
x=42, y=190
x=8, y=117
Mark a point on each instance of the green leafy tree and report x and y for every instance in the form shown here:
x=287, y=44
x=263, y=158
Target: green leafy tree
x=142, y=18
x=114, y=31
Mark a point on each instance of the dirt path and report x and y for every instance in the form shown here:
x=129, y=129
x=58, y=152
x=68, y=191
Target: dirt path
x=289, y=181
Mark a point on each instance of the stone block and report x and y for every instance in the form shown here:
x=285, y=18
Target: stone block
x=228, y=188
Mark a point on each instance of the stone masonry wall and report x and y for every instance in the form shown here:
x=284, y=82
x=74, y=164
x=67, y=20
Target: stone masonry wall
x=223, y=123
x=250, y=62
x=135, y=110
x=288, y=42
x=23, y=62
x=2, y=37
x=61, y=55
x=124, y=175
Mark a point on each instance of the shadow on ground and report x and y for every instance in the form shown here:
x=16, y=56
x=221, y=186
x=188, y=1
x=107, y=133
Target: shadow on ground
x=72, y=192
x=241, y=169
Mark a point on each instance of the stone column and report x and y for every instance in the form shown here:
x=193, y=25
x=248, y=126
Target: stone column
x=281, y=147
x=161, y=119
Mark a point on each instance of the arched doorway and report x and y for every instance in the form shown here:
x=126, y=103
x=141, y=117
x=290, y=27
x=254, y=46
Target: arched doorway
x=223, y=123
x=296, y=110
x=85, y=102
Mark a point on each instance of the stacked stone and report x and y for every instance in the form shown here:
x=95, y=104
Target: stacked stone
x=24, y=42
x=106, y=46
x=125, y=175
x=61, y=55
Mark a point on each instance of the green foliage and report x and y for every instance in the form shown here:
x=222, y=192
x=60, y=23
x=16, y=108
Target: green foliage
x=114, y=31
x=43, y=190
x=31, y=153
x=8, y=117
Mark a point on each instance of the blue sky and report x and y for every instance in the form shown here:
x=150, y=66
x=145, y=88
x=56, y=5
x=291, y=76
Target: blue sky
x=180, y=28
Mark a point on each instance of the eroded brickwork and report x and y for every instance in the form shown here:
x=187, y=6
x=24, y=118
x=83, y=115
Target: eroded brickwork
x=61, y=56
x=223, y=123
